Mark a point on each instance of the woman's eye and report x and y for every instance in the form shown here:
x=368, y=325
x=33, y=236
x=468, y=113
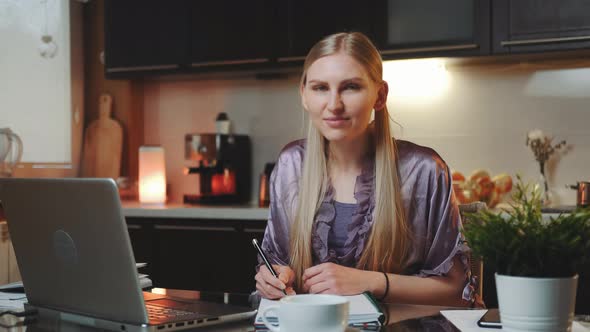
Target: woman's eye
x=319, y=88
x=352, y=87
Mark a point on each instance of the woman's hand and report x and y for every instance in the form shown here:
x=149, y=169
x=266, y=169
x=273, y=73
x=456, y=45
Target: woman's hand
x=272, y=288
x=330, y=278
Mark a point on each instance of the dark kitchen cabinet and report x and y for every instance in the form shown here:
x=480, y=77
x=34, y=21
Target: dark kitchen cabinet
x=142, y=243
x=523, y=26
x=197, y=254
x=200, y=256
x=419, y=28
x=228, y=32
x=303, y=22
x=250, y=230
x=145, y=36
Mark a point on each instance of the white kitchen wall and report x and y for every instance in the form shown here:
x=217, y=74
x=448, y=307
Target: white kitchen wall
x=479, y=120
x=36, y=92
x=268, y=111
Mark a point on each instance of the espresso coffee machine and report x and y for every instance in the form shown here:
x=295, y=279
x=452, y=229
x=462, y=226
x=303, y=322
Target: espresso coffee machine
x=218, y=168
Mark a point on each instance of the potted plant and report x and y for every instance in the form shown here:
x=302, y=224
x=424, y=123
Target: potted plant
x=536, y=259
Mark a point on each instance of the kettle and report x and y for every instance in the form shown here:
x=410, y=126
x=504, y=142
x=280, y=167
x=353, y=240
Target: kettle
x=264, y=189
x=11, y=151
x=583, y=188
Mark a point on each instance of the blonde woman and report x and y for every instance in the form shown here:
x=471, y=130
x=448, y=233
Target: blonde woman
x=353, y=209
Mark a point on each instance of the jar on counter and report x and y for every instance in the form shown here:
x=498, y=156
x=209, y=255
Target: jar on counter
x=264, y=189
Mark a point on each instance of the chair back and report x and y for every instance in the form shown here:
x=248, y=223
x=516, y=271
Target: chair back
x=476, y=262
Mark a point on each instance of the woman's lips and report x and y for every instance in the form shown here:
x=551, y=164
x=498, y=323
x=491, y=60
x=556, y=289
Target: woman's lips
x=336, y=122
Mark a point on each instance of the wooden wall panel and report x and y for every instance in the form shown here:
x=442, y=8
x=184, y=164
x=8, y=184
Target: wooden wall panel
x=4, y=252
x=127, y=95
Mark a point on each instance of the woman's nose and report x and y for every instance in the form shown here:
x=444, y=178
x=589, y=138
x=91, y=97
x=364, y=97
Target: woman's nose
x=335, y=103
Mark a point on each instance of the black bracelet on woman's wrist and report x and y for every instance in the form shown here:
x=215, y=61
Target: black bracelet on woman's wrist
x=386, y=288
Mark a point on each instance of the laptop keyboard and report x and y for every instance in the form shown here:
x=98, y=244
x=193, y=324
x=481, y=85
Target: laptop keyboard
x=158, y=312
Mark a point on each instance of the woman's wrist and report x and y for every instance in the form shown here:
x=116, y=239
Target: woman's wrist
x=386, y=291
x=376, y=284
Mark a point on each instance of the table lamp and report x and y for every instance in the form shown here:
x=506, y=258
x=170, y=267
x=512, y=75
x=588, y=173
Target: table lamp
x=152, y=174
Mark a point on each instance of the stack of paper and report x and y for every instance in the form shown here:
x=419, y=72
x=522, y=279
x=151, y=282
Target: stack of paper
x=363, y=311
x=13, y=287
x=12, y=297
x=144, y=280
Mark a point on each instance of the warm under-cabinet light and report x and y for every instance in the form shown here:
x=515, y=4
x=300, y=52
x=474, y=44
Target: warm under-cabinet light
x=416, y=79
x=152, y=175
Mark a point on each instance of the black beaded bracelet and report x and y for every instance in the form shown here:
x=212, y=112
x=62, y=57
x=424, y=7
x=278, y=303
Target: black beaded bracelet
x=386, y=288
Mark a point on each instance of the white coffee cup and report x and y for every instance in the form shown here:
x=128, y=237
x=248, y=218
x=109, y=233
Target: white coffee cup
x=309, y=312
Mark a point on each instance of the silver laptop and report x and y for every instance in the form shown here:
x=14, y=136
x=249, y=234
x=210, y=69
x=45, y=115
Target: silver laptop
x=76, y=260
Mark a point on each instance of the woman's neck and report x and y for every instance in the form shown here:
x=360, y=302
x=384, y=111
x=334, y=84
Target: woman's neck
x=346, y=162
x=349, y=156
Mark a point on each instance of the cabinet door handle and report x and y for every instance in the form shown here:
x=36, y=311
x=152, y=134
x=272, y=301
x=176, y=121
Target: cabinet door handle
x=431, y=49
x=195, y=228
x=133, y=227
x=543, y=41
x=291, y=58
x=136, y=68
x=253, y=230
x=228, y=62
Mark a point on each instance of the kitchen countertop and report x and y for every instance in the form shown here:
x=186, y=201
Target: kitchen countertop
x=230, y=212
x=235, y=212
x=559, y=209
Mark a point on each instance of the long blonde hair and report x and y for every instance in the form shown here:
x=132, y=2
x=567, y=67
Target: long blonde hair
x=387, y=245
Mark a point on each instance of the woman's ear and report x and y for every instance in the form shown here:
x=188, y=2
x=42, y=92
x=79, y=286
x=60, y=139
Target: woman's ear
x=381, y=101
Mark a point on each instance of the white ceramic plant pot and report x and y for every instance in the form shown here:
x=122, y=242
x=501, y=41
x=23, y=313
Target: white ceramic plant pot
x=536, y=304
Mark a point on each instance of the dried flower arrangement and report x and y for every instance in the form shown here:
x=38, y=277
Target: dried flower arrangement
x=543, y=148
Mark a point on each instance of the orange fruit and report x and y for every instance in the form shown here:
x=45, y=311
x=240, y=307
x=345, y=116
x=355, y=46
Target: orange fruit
x=457, y=176
x=503, y=182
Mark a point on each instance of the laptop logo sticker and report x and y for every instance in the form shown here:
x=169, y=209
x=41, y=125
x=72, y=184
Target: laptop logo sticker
x=64, y=248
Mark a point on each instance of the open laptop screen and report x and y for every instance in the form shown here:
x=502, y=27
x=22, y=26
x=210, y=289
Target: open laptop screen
x=72, y=247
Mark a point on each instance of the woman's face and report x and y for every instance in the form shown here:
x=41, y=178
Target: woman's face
x=339, y=97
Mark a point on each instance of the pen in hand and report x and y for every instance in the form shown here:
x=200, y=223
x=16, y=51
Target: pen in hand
x=266, y=262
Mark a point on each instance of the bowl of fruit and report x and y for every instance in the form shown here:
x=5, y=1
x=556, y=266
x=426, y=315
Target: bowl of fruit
x=480, y=186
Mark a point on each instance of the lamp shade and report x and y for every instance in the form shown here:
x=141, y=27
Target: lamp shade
x=152, y=175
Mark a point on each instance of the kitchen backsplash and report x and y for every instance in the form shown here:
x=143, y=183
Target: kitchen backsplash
x=479, y=120
x=268, y=111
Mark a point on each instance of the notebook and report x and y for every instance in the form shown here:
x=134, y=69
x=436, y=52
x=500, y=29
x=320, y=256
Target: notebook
x=75, y=257
x=363, y=311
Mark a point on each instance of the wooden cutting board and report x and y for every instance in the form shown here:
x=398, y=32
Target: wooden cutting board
x=103, y=142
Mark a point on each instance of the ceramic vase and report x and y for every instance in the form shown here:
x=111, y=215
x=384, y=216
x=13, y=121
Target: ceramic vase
x=536, y=304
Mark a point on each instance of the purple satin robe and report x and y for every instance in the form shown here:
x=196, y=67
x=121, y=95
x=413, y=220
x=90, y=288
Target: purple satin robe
x=430, y=205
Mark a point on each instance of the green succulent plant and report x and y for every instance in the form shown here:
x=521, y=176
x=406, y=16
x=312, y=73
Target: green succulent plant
x=519, y=242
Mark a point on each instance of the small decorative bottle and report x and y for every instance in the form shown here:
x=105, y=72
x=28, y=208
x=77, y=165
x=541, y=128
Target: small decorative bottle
x=222, y=124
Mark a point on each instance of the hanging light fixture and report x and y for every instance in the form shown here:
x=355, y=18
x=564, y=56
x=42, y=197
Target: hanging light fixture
x=48, y=47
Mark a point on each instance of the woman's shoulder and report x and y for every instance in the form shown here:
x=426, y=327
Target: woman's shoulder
x=414, y=156
x=291, y=155
x=411, y=148
x=293, y=149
